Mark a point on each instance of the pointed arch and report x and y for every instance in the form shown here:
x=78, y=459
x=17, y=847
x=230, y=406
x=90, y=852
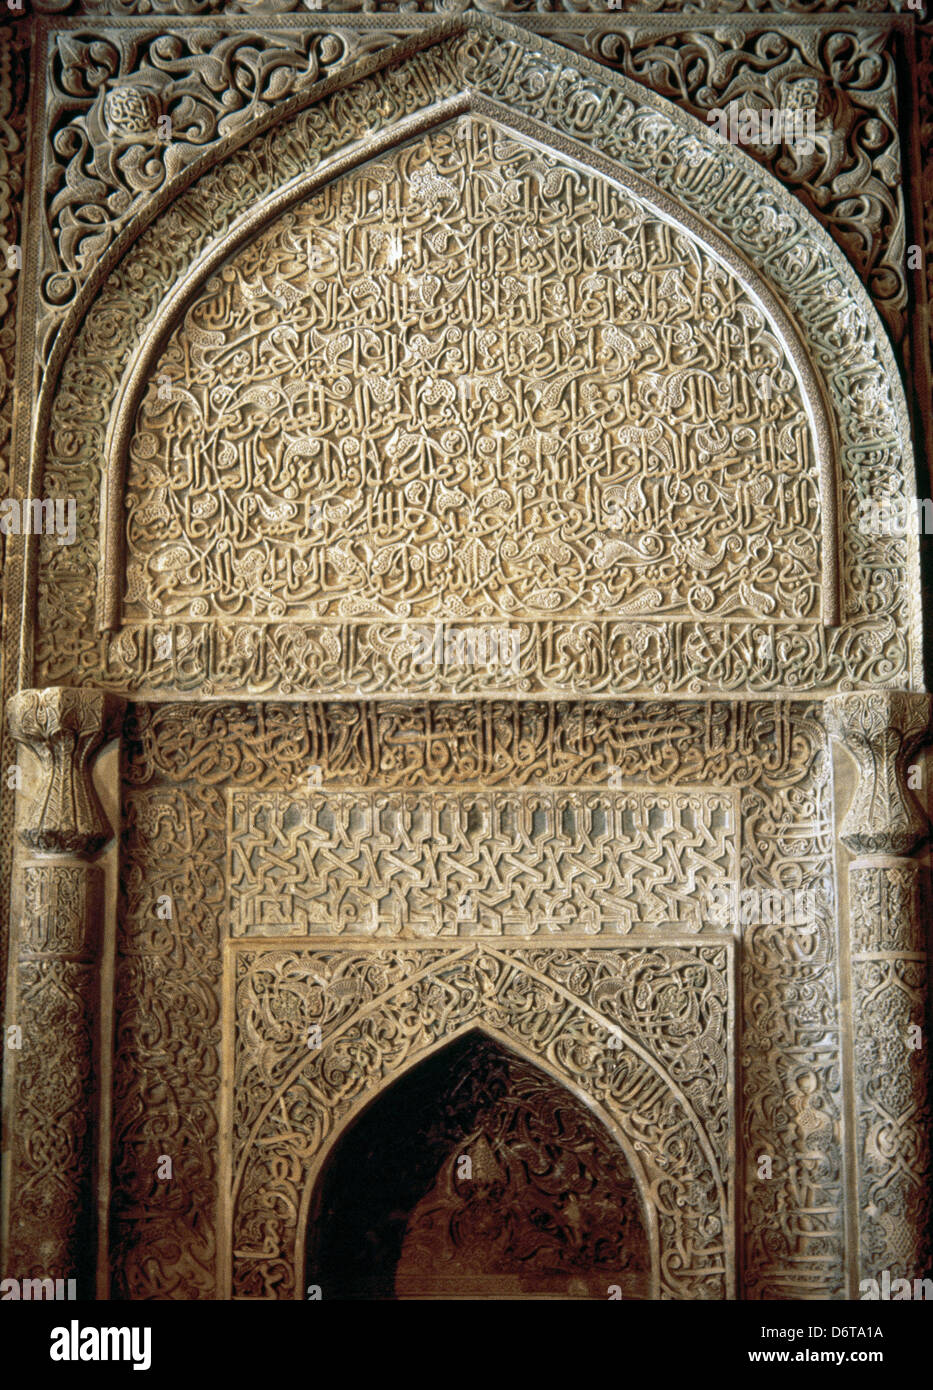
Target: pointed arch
x=672, y=1145
x=374, y=1115
x=812, y=299
x=573, y=155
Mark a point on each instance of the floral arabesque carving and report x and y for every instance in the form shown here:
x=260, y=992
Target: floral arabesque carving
x=851, y=179
x=163, y=1237
x=110, y=162
x=130, y=112
x=881, y=619
x=52, y=1147
x=14, y=89
x=495, y=7
x=379, y=1011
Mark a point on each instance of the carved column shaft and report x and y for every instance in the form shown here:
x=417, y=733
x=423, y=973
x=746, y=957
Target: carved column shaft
x=883, y=825
x=55, y=989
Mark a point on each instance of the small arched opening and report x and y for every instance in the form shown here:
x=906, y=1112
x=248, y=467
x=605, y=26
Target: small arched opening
x=477, y=1175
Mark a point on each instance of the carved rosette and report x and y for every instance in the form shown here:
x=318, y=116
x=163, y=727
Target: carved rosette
x=64, y=728
x=884, y=824
x=57, y=908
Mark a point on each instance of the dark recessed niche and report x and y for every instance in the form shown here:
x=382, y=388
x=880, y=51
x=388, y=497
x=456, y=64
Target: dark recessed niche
x=477, y=1175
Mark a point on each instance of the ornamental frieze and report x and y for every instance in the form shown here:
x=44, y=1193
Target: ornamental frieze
x=470, y=864
x=517, y=7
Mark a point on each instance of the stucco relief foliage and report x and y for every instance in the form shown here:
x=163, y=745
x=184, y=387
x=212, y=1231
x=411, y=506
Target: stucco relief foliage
x=108, y=91
x=925, y=129
x=851, y=180
x=51, y=1148
x=167, y=1044
x=52, y=1085
x=495, y=7
x=12, y=157
x=129, y=112
x=622, y=658
x=182, y=766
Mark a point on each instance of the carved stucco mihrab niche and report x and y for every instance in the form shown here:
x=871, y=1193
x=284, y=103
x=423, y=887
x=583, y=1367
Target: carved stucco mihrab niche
x=663, y=1087
x=513, y=1187
x=445, y=329
x=190, y=771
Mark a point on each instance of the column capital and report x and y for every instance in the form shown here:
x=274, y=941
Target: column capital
x=63, y=727
x=881, y=729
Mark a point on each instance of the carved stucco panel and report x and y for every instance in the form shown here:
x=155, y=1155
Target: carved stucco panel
x=128, y=113
x=495, y=7
x=474, y=383
x=109, y=89
x=666, y=1008
x=481, y=863
x=847, y=77
x=187, y=766
x=163, y=1236
x=605, y=657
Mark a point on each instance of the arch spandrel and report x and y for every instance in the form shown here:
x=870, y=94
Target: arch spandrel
x=625, y=133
